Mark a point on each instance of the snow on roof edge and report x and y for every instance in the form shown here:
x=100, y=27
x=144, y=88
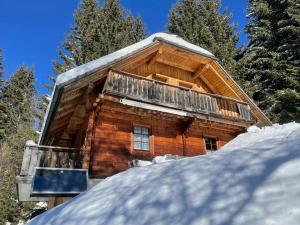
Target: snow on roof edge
x=124, y=52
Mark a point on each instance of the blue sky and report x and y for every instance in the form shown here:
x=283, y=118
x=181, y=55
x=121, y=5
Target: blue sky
x=31, y=31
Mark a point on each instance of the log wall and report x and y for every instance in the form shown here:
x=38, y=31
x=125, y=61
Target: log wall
x=112, y=145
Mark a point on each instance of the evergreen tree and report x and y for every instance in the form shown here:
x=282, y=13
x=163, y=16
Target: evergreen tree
x=17, y=102
x=2, y=114
x=269, y=68
x=202, y=23
x=11, y=154
x=98, y=31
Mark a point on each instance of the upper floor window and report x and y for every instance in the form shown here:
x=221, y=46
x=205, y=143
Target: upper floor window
x=141, y=138
x=211, y=143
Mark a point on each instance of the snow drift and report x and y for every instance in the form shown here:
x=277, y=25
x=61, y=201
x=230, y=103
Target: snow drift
x=255, y=179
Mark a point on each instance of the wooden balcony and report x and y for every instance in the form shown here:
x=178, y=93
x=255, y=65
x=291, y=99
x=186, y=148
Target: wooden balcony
x=159, y=93
x=49, y=156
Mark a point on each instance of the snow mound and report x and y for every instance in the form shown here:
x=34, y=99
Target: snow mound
x=155, y=160
x=253, y=180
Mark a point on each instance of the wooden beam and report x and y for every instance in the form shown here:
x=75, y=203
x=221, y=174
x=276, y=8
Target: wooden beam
x=156, y=57
x=224, y=81
x=208, y=84
x=69, y=103
x=133, y=60
x=70, y=96
x=60, y=126
x=64, y=114
x=201, y=70
x=186, y=54
x=81, y=111
x=174, y=64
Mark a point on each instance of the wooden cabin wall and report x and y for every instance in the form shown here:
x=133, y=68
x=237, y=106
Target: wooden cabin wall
x=112, y=144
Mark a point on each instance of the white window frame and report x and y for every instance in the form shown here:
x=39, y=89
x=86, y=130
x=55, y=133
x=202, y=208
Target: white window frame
x=141, y=138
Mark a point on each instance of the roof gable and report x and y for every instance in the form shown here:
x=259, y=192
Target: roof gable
x=109, y=59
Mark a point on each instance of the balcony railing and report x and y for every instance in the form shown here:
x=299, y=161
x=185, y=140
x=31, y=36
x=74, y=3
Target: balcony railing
x=160, y=93
x=49, y=156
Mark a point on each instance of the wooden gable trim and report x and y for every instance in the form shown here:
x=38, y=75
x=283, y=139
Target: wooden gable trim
x=201, y=70
x=208, y=84
x=224, y=81
x=186, y=54
x=156, y=57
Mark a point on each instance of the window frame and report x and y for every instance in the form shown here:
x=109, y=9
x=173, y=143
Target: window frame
x=211, y=144
x=149, y=150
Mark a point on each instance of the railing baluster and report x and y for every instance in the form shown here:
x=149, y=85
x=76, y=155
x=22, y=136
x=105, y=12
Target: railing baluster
x=177, y=97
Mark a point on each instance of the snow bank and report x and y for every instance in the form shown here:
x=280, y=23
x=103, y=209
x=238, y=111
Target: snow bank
x=253, y=180
x=155, y=160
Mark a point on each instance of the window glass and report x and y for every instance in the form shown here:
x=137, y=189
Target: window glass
x=145, y=130
x=137, y=145
x=141, y=138
x=137, y=130
x=211, y=144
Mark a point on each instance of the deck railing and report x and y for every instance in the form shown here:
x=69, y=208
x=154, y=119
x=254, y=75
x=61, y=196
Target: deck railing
x=49, y=156
x=160, y=93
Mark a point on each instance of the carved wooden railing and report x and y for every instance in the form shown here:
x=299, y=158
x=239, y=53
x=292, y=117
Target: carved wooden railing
x=157, y=92
x=49, y=156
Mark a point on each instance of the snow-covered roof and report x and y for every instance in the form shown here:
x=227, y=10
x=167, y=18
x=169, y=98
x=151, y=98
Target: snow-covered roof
x=254, y=179
x=125, y=52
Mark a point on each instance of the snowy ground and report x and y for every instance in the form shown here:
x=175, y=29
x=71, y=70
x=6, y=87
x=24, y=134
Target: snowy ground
x=253, y=180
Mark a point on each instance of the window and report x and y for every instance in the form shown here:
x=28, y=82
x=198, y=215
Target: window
x=141, y=138
x=211, y=143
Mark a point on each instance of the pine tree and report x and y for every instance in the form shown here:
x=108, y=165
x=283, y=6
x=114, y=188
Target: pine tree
x=202, y=23
x=269, y=67
x=286, y=106
x=98, y=31
x=2, y=83
x=17, y=103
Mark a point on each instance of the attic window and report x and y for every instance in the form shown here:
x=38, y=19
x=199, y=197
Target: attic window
x=210, y=143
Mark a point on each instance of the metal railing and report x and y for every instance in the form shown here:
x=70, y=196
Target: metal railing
x=147, y=90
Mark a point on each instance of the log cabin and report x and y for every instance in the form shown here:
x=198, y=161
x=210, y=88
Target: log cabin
x=162, y=95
